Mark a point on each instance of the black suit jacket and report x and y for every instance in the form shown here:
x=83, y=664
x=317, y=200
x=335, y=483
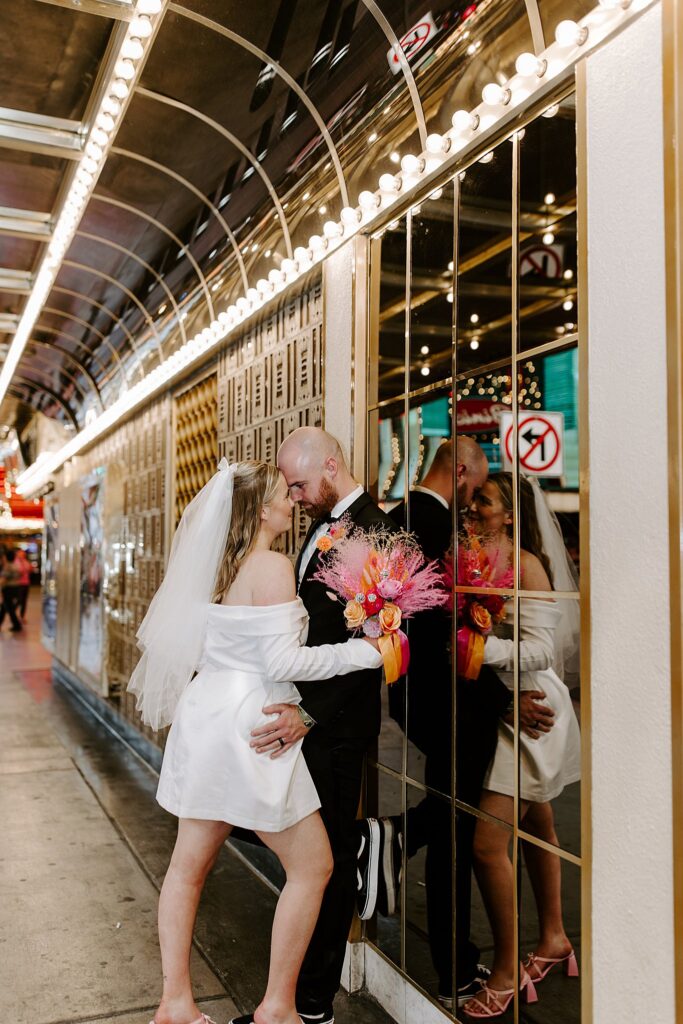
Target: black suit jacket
x=345, y=706
x=429, y=676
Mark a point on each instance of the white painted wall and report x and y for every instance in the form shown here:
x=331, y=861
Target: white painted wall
x=633, y=942
x=338, y=335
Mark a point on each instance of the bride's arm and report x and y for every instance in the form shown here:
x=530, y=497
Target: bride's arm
x=284, y=659
x=536, y=648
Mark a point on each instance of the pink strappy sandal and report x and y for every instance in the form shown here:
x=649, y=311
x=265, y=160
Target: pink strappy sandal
x=539, y=966
x=490, y=1002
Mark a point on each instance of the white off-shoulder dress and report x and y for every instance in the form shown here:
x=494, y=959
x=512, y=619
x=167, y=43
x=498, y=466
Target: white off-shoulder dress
x=552, y=761
x=251, y=654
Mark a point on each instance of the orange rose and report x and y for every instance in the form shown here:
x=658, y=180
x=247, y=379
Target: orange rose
x=323, y=543
x=354, y=613
x=480, y=617
x=390, y=617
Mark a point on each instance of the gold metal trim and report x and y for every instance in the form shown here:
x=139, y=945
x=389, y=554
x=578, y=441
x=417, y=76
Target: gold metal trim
x=584, y=544
x=672, y=39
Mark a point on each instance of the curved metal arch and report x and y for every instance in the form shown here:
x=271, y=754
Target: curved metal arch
x=167, y=231
x=47, y=329
x=535, y=25
x=31, y=371
x=126, y=291
x=143, y=263
x=50, y=366
x=117, y=151
x=214, y=26
x=193, y=112
x=118, y=322
x=84, y=323
x=63, y=352
x=35, y=388
x=393, y=40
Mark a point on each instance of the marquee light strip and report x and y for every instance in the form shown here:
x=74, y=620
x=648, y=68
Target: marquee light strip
x=106, y=120
x=534, y=72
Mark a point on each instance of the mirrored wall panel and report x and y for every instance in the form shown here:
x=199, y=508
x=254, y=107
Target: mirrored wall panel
x=473, y=446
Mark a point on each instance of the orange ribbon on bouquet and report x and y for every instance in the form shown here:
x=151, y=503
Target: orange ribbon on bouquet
x=470, y=652
x=396, y=655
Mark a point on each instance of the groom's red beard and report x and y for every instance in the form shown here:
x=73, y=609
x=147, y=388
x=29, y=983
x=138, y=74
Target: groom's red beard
x=326, y=498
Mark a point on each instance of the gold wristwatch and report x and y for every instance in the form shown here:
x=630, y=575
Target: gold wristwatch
x=305, y=717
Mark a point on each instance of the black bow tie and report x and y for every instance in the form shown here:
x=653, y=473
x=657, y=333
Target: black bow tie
x=329, y=518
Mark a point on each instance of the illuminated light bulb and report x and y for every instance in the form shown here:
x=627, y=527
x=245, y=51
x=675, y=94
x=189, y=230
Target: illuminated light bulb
x=567, y=305
x=84, y=175
x=486, y=158
x=93, y=150
x=436, y=194
x=474, y=319
x=148, y=6
x=496, y=95
x=395, y=157
x=132, y=49
x=551, y=111
x=388, y=183
x=449, y=296
x=317, y=244
x=424, y=350
x=372, y=137
x=425, y=371
x=569, y=326
x=411, y=164
x=474, y=344
x=105, y=121
x=548, y=238
x=349, y=216
x=89, y=165
x=232, y=312
x=275, y=276
x=450, y=265
x=331, y=229
x=302, y=255
x=306, y=195
x=263, y=287
x=549, y=198
x=528, y=64
x=125, y=69
x=288, y=267
x=322, y=210
x=568, y=33
x=110, y=105
x=99, y=136
x=224, y=319
x=368, y=200
x=242, y=305
x=464, y=121
x=253, y=295
x=437, y=144
x=568, y=274
x=141, y=28
x=120, y=89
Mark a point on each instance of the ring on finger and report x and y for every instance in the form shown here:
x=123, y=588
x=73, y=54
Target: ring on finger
x=281, y=741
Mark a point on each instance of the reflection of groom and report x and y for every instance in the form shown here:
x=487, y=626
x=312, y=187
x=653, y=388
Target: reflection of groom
x=338, y=718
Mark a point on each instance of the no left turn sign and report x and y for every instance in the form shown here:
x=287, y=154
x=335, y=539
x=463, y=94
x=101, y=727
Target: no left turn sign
x=540, y=442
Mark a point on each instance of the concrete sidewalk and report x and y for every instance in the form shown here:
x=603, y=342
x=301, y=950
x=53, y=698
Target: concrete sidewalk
x=83, y=851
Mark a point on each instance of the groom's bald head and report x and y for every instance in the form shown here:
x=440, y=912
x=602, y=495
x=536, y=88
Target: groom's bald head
x=314, y=466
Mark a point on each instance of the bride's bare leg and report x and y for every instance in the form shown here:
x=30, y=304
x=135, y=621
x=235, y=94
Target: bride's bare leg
x=304, y=852
x=194, y=854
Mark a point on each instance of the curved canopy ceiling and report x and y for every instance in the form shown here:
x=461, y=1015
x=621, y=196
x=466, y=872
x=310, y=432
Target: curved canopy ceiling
x=248, y=127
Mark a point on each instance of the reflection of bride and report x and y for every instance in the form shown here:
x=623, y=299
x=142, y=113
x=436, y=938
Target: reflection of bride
x=548, y=641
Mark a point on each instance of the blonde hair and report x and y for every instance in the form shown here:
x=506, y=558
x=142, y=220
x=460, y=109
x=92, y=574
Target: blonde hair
x=254, y=486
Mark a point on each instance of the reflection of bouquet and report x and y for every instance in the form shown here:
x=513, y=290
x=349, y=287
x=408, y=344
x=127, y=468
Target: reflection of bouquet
x=477, y=613
x=384, y=578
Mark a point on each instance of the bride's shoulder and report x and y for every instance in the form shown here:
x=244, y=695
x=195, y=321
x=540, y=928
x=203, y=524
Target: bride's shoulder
x=272, y=578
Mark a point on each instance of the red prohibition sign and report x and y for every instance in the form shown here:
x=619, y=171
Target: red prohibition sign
x=413, y=40
x=546, y=434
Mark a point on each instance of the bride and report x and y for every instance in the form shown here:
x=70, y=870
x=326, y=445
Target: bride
x=228, y=609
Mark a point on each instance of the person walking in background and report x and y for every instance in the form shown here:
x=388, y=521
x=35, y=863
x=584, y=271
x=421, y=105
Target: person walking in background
x=24, y=566
x=9, y=582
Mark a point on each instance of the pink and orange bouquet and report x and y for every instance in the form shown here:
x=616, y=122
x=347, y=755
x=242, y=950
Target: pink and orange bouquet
x=477, y=613
x=384, y=578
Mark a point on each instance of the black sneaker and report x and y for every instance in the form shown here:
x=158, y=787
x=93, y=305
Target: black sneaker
x=390, y=866
x=368, y=863
x=468, y=990
x=247, y=1019
x=325, y=1016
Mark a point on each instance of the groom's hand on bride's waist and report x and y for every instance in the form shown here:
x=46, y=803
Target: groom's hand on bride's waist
x=288, y=727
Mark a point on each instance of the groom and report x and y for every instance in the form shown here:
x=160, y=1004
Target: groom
x=337, y=719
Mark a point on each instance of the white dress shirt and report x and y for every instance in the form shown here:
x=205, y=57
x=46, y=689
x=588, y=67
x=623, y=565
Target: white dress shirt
x=339, y=509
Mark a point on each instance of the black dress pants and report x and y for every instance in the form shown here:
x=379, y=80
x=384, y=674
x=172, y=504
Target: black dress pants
x=336, y=766
x=10, y=600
